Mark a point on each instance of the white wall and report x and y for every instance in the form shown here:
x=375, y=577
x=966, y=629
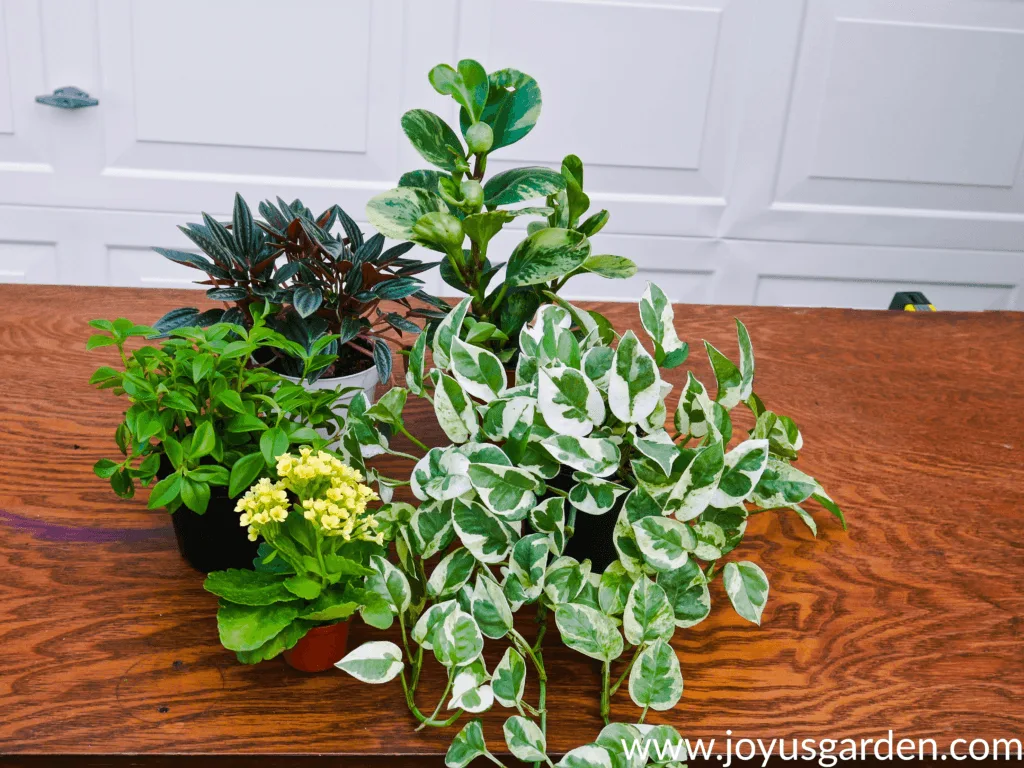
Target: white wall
x=806, y=152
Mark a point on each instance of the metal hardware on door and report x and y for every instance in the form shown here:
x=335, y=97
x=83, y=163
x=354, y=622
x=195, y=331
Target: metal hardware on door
x=68, y=97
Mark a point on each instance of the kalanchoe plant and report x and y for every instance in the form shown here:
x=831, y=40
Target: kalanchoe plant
x=456, y=211
x=198, y=409
x=325, y=281
x=319, y=538
x=496, y=507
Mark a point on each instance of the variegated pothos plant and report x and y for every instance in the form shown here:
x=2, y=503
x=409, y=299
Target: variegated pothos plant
x=583, y=404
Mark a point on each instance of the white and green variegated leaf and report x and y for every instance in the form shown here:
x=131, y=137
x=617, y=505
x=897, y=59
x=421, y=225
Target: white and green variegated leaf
x=491, y=609
x=594, y=495
x=711, y=540
x=597, y=365
x=425, y=630
x=394, y=213
x=619, y=739
x=459, y=642
x=648, y=615
x=434, y=139
x=664, y=543
x=390, y=583
x=481, y=531
x=414, y=367
x=659, y=448
x=826, y=501
x=453, y=408
x=526, y=371
x=507, y=491
x=658, y=319
x=655, y=422
x=441, y=474
x=588, y=756
x=744, y=466
x=431, y=528
x=509, y=679
x=589, y=595
x=467, y=745
x=569, y=401
x=667, y=739
x=696, y=488
x=546, y=255
x=692, y=414
x=480, y=372
x=729, y=378
x=588, y=631
x=634, y=384
x=687, y=591
x=625, y=544
x=594, y=326
x=483, y=453
x=596, y=456
x=375, y=662
x=732, y=521
x=547, y=325
x=747, y=587
x=564, y=579
x=471, y=689
x=507, y=416
x=549, y=517
x=655, y=681
x=746, y=361
x=525, y=739
x=537, y=459
x=451, y=573
x=449, y=329
x=782, y=485
x=614, y=588
x=528, y=566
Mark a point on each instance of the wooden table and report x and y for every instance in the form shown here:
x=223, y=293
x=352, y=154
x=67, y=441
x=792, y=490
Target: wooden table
x=914, y=620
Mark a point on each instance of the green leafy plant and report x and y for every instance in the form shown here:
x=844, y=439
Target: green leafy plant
x=581, y=432
x=456, y=211
x=199, y=416
x=325, y=282
x=318, y=541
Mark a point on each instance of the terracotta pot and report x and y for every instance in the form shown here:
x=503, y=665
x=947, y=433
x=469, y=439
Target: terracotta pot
x=320, y=649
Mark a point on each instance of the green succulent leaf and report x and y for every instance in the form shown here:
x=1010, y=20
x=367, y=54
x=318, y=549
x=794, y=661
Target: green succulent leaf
x=468, y=85
x=434, y=139
x=613, y=267
x=546, y=255
x=519, y=184
x=247, y=627
x=246, y=587
x=394, y=213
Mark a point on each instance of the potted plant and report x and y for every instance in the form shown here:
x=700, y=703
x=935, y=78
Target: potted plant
x=456, y=210
x=679, y=501
x=319, y=540
x=325, y=283
x=204, y=425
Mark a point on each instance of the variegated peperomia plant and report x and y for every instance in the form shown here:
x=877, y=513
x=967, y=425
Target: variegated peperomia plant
x=580, y=434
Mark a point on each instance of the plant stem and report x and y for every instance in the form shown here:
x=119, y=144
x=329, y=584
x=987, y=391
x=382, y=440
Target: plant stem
x=498, y=297
x=629, y=667
x=558, y=492
x=643, y=715
x=413, y=440
x=424, y=720
x=437, y=709
x=606, y=707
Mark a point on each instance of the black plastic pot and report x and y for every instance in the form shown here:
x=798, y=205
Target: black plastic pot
x=593, y=537
x=213, y=541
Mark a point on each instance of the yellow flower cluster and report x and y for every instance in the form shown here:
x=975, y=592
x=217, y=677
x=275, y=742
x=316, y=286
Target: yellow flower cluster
x=331, y=494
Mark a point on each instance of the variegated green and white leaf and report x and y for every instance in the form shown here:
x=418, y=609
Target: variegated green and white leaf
x=664, y=543
x=655, y=681
x=525, y=739
x=687, y=591
x=693, y=412
x=782, y=485
x=614, y=588
x=459, y=642
x=481, y=531
x=483, y=453
x=507, y=491
x=588, y=756
x=625, y=544
x=431, y=528
x=588, y=631
x=424, y=632
x=744, y=466
x=471, y=689
x=375, y=662
x=528, y=566
x=453, y=408
x=545, y=255
x=543, y=331
x=441, y=474
x=711, y=540
x=509, y=679
x=594, y=495
x=732, y=521
x=593, y=455
x=648, y=615
x=549, y=517
x=659, y=447
x=634, y=383
x=467, y=745
x=479, y=371
x=414, y=367
x=747, y=587
x=696, y=488
x=569, y=401
x=620, y=740
x=564, y=579
x=597, y=364
x=655, y=422
x=656, y=483
x=507, y=416
x=394, y=213
x=729, y=378
x=451, y=573
x=658, y=319
x=746, y=361
x=390, y=583
x=491, y=609
x=449, y=329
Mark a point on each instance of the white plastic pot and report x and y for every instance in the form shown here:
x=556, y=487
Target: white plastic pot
x=364, y=380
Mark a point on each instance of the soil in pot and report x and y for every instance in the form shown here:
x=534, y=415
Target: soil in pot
x=319, y=649
x=593, y=538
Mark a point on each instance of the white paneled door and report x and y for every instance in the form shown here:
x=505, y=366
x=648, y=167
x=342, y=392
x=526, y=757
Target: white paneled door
x=795, y=152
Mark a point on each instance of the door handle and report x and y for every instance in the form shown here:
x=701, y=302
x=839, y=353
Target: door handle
x=68, y=97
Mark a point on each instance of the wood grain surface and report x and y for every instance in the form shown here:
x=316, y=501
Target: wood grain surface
x=912, y=621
